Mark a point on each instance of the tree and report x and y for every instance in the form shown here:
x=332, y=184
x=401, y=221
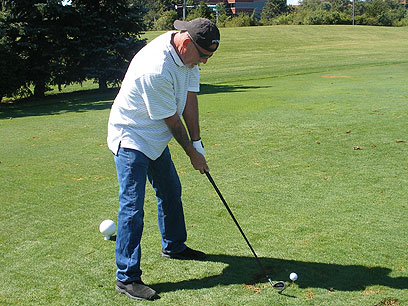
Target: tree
x=165, y=22
x=201, y=10
x=222, y=13
x=166, y=5
x=46, y=43
x=29, y=29
x=273, y=8
x=379, y=12
x=108, y=39
x=11, y=68
x=12, y=72
x=154, y=10
x=340, y=5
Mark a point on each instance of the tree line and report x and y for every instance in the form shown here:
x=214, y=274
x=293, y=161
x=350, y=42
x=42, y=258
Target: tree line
x=313, y=12
x=161, y=14
x=46, y=43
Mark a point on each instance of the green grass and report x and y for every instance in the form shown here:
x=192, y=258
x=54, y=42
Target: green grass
x=281, y=110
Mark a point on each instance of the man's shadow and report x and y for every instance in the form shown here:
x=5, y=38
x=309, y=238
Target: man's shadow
x=333, y=277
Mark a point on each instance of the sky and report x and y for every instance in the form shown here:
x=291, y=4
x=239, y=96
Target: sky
x=292, y=2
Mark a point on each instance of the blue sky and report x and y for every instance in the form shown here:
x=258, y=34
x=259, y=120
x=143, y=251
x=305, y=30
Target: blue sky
x=292, y=2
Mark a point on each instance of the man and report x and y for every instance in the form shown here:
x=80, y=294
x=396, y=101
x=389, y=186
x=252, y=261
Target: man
x=159, y=88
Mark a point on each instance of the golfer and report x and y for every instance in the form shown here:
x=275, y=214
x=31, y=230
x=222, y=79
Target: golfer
x=160, y=87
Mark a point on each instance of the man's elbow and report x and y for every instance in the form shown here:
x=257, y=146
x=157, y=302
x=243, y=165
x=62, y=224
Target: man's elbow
x=172, y=120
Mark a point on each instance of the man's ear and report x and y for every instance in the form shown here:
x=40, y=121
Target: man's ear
x=186, y=41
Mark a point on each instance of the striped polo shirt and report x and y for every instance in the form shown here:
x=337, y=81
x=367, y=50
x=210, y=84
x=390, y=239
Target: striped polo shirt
x=154, y=88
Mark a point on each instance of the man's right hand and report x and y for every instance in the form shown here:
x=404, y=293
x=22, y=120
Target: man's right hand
x=198, y=161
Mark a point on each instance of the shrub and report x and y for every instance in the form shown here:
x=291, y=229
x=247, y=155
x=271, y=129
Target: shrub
x=242, y=20
x=165, y=22
x=314, y=17
x=283, y=19
x=401, y=23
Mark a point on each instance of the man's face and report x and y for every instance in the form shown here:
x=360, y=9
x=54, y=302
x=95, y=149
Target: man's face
x=197, y=55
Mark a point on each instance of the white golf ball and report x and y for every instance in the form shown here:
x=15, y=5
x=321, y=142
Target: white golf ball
x=293, y=276
x=107, y=228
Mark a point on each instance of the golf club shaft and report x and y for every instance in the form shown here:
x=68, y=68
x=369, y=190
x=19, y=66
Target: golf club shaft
x=236, y=222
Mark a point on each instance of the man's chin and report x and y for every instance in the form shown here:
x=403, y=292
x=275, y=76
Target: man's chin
x=191, y=65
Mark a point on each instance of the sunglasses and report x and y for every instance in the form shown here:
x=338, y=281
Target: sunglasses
x=201, y=54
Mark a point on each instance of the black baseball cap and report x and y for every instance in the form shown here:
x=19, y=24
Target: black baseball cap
x=203, y=31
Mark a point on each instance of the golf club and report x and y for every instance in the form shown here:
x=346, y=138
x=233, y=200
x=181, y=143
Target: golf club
x=280, y=285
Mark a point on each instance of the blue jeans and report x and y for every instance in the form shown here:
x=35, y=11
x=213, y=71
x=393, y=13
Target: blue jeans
x=132, y=168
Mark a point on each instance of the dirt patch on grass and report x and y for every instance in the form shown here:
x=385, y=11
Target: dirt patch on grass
x=253, y=288
x=388, y=302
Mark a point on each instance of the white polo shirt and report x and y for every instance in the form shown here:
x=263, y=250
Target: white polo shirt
x=155, y=87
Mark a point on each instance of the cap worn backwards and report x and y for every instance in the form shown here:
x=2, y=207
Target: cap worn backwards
x=204, y=32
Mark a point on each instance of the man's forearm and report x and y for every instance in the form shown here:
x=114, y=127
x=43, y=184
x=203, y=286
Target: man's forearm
x=179, y=132
x=190, y=116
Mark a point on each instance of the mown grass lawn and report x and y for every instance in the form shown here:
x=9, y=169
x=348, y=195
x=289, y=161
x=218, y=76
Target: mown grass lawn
x=305, y=129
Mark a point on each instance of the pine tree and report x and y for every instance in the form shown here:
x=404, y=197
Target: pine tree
x=27, y=28
x=108, y=39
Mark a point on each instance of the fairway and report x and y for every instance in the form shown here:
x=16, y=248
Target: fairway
x=306, y=134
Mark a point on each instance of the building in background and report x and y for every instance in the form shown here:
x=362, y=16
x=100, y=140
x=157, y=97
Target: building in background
x=241, y=6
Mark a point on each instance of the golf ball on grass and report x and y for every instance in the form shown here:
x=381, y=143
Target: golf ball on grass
x=107, y=228
x=293, y=276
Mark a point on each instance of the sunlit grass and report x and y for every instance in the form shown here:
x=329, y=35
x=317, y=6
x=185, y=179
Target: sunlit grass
x=308, y=146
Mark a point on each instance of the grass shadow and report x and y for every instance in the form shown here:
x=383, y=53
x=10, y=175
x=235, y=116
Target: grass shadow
x=333, y=277
x=206, y=89
x=87, y=100
x=78, y=101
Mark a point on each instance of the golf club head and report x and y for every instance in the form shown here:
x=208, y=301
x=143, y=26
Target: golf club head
x=278, y=285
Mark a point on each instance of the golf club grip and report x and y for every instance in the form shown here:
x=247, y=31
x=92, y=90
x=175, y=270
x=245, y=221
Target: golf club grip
x=235, y=220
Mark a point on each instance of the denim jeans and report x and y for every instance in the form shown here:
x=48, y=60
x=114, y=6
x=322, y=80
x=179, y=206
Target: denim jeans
x=133, y=167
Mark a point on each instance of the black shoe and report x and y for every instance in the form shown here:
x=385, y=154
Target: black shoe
x=136, y=290
x=187, y=254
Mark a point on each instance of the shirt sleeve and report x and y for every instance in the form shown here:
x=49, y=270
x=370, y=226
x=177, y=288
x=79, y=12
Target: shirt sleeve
x=159, y=96
x=194, y=82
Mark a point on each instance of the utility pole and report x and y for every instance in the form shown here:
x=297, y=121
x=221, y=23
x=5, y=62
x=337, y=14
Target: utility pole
x=353, y=12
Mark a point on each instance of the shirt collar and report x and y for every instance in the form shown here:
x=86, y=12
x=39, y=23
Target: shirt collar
x=173, y=52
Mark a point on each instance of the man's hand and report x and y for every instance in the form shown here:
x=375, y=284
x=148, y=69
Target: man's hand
x=198, y=161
